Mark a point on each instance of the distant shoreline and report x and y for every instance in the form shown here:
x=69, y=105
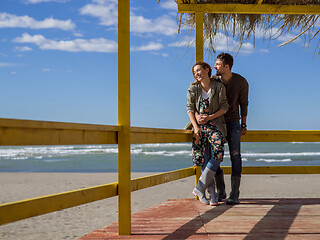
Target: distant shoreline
x=146, y=157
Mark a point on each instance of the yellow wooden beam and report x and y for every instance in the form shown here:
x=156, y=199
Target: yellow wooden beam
x=153, y=180
x=249, y=8
x=282, y=136
x=124, y=159
x=29, y=132
x=277, y=170
x=198, y=174
x=259, y=1
x=199, y=37
x=10, y=212
x=21, y=123
x=19, y=210
x=158, y=135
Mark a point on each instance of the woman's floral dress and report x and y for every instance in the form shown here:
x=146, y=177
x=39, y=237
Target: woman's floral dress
x=209, y=134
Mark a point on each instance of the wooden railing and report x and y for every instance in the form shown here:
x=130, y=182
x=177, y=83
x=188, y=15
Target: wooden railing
x=27, y=132
x=10, y=212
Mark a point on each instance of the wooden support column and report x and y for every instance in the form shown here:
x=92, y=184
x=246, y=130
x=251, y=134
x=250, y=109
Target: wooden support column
x=198, y=174
x=199, y=36
x=124, y=165
x=199, y=57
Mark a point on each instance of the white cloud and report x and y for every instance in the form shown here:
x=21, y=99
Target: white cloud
x=107, y=13
x=81, y=45
x=317, y=23
x=169, y=4
x=225, y=43
x=77, y=34
x=46, y=70
x=76, y=45
x=23, y=49
x=274, y=35
x=12, y=21
x=152, y=46
x=40, y=1
x=162, y=25
x=4, y=64
x=221, y=43
x=160, y=54
x=264, y=50
x=182, y=43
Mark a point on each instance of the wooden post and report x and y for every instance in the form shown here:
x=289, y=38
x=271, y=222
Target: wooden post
x=199, y=57
x=199, y=36
x=124, y=165
x=198, y=174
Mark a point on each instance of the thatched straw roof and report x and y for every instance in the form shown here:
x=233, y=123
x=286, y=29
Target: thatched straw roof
x=244, y=27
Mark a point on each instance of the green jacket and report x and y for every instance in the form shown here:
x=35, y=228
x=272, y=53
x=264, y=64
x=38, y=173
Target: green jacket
x=217, y=100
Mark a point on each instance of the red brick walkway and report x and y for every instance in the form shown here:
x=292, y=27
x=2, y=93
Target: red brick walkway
x=252, y=219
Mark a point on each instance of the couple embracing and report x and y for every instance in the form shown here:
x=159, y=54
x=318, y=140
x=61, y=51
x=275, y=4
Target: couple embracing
x=217, y=107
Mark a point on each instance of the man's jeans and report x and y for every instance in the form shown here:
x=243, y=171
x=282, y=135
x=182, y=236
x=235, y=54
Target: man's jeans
x=233, y=138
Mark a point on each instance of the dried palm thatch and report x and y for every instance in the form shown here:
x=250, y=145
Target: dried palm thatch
x=243, y=27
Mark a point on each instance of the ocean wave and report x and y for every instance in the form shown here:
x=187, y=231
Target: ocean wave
x=19, y=158
x=155, y=145
x=155, y=153
x=54, y=160
x=296, y=154
x=169, y=153
x=39, y=152
x=273, y=160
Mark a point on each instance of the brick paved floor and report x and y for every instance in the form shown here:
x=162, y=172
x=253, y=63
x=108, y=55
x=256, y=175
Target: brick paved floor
x=252, y=219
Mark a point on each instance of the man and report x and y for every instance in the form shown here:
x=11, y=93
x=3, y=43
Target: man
x=237, y=89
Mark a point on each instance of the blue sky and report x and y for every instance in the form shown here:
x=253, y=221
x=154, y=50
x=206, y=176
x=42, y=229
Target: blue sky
x=58, y=62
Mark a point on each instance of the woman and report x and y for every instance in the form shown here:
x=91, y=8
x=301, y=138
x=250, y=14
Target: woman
x=207, y=97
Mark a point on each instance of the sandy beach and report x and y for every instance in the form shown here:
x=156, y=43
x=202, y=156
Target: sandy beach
x=78, y=221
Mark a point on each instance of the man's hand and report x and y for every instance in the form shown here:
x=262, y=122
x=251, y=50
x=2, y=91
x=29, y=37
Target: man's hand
x=243, y=131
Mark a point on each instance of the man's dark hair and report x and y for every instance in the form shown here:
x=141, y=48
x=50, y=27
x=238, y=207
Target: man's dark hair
x=226, y=58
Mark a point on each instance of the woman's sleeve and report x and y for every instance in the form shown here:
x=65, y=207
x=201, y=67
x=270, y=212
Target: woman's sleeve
x=223, y=100
x=191, y=103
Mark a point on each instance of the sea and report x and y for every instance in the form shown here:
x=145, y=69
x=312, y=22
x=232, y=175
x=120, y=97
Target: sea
x=147, y=157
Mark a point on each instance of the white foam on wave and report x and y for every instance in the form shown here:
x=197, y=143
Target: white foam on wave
x=155, y=153
x=136, y=151
x=19, y=158
x=53, y=160
x=273, y=160
x=39, y=152
x=168, y=153
x=281, y=154
x=163, y=145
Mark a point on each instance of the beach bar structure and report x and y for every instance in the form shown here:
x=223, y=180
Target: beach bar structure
x=29, y=132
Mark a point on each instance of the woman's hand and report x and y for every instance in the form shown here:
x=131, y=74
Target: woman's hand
x=197, y=133
x=202, y=118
